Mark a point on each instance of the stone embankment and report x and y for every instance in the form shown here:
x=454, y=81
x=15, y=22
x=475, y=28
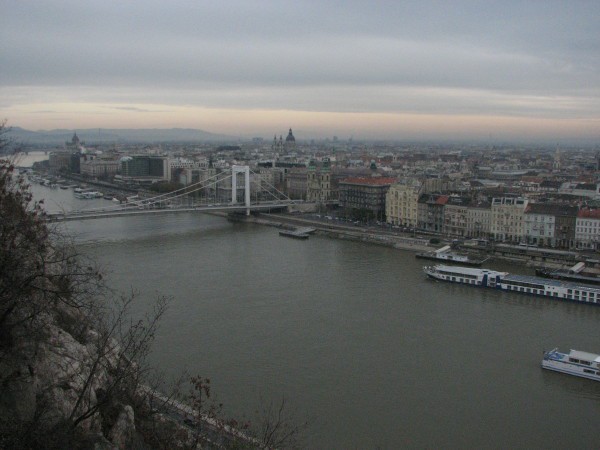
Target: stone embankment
x=346, y=232
x=527, y=255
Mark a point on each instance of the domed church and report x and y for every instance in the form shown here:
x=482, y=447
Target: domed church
x=290, y=142
x=280, y=146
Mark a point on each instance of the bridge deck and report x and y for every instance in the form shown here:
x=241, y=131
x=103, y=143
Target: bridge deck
x=100, y=214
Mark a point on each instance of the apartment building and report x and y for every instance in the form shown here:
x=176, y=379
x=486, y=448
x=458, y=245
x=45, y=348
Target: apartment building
x=430, y=212
x=587, y=229
x=365, y=194
x=508, y=218
x=401, y=203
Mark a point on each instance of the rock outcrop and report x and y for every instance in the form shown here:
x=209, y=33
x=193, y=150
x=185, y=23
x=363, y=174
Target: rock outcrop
x=54, y=378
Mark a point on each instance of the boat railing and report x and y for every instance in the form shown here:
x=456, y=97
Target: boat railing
x=548, y=353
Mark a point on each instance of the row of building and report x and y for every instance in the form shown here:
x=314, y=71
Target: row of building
x=505, y=197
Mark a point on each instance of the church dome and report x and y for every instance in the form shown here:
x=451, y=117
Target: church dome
x=290, y=137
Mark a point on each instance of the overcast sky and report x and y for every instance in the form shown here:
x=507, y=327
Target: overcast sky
x=368, y=69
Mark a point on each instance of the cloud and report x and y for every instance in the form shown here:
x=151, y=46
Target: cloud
x=136, y=109
x=519, y=59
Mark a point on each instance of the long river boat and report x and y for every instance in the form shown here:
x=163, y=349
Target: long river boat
x=580, y=364
x=524, y=284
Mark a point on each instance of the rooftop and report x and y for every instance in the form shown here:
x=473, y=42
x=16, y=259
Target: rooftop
x=372, y=181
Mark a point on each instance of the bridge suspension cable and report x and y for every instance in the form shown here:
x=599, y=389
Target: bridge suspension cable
x=206, y=184
x=166, y=196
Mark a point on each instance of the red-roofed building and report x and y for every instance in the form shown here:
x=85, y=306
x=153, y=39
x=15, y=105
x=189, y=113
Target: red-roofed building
x=362, y=196
x=587, y=229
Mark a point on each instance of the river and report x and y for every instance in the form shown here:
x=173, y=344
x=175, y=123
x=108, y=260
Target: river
x=354, y=336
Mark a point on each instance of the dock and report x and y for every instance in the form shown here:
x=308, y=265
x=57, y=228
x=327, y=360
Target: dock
x=297, y=233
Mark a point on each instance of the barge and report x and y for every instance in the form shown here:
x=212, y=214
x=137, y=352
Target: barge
x=524, y=284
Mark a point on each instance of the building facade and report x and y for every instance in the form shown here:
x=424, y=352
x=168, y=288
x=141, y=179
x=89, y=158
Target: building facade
x=59, y=162
x=147, y=167
x=401, y=203
x=297, y=183
x=318, y=183
x=564, y=227
x=430, y=212
x=540, y=223
x=587, y=229
x=99, y=168
x=456, y=216
x=365, y=195
x=508, y=219
x=479, y=216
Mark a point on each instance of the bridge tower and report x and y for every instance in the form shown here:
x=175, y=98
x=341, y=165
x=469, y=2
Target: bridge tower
x=246, y=171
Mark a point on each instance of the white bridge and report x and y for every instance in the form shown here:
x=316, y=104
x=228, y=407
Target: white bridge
x=181, y=200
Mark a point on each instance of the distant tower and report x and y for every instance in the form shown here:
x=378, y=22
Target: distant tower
x=556, y=164
x=598, y=161
x=277, y=146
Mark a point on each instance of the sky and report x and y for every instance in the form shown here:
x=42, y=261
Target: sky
x=416, y=70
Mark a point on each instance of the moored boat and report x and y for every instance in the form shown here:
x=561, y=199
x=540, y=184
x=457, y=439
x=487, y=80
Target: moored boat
x=445, y=255
x=88, y=194
x=293, y=234
x=578, y=363
x=562, y=274
x=298, y=233
x=524, y=284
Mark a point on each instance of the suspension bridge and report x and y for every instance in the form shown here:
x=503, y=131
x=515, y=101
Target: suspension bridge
x=193, y=198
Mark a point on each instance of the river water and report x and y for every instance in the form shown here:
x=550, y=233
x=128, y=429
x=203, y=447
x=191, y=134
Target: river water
x=354, y=336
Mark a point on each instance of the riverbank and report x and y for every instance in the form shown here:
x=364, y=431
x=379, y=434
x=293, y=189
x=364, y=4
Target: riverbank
x=530, y=256
x=343, y=232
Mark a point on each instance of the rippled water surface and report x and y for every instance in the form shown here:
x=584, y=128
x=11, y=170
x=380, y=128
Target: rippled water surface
x=353, y=335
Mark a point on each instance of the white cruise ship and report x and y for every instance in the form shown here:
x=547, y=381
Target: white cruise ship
x=560, y=290
x=580, y=364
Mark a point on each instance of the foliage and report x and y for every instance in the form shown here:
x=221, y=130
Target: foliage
x=54, y=301
x=47, y=287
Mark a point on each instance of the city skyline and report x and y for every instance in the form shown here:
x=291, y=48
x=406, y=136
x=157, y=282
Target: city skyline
x=427, y=71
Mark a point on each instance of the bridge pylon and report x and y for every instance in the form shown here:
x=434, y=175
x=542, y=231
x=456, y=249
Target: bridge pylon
x=246, y=171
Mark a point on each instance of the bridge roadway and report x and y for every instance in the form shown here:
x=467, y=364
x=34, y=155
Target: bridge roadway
x=135, y=211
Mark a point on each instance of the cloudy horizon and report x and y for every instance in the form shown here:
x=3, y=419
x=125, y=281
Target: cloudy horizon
x=386, y=69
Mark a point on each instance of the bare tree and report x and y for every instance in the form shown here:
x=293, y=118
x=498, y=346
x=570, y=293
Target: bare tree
x=278, y=427
x=45, y=285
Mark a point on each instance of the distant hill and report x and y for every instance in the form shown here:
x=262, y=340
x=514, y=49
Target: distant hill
x=107, y=135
